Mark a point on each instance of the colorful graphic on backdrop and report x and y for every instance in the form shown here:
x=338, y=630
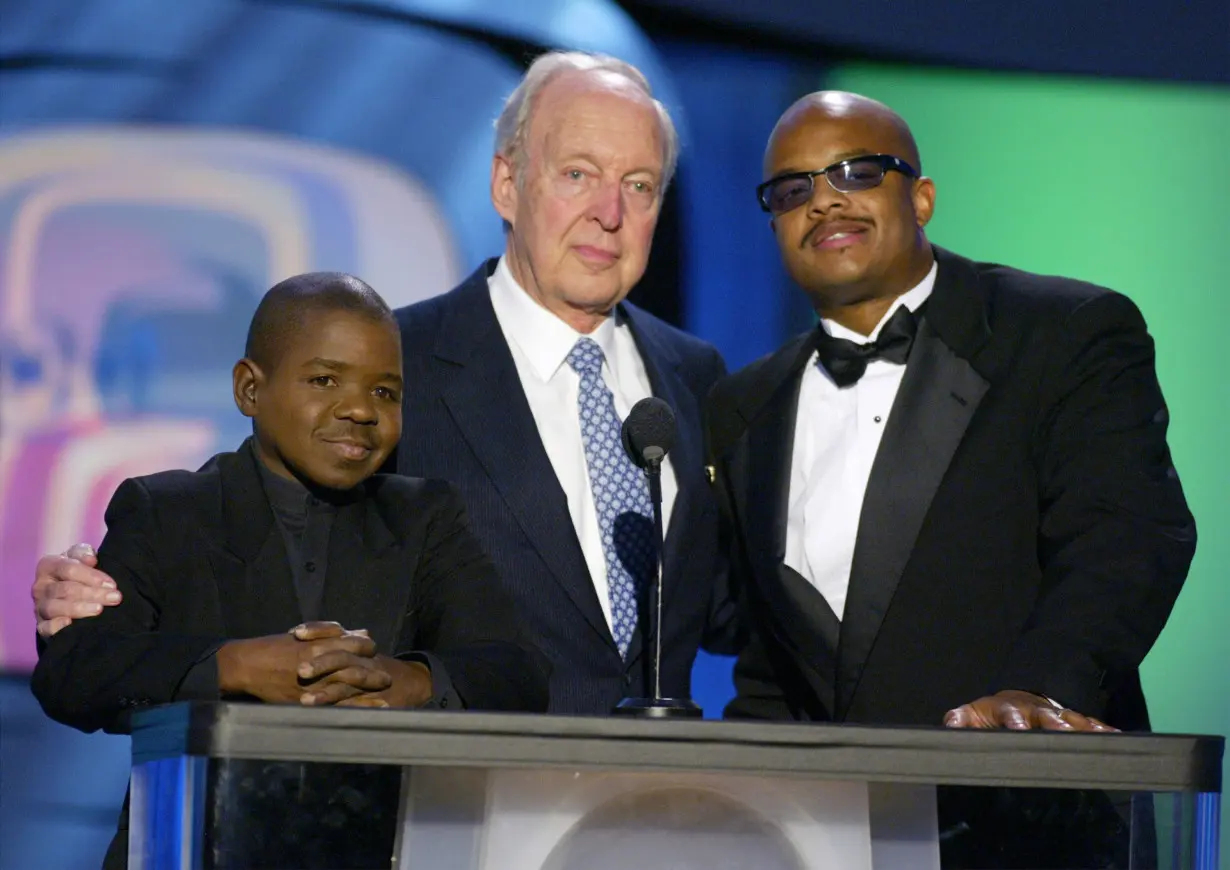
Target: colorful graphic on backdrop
x=131, y=260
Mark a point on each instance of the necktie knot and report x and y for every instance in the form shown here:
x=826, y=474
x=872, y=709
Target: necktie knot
x=846, y=361
x=586, y=357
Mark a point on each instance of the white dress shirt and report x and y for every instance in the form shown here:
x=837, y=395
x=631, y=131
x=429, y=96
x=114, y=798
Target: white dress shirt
x=540, y=343
x=836, y=435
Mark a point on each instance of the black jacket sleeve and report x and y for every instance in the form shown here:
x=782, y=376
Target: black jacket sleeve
x=758, y=691
x=465, y=621
x=1116, y=536
x=93, y=673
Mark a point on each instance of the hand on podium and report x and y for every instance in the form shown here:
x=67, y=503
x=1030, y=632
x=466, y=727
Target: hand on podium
x=316, y=664
x=409, y=684
x=1021, y=711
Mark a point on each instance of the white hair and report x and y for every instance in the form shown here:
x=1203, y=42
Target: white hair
x=512, y=126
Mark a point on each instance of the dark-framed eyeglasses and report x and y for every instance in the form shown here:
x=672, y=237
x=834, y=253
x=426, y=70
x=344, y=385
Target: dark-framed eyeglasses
x=786, y=192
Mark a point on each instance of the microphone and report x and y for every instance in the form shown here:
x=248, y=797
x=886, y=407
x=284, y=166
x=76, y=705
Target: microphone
x=648, y=434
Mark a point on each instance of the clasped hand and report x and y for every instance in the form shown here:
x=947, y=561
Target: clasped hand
x=317, y=664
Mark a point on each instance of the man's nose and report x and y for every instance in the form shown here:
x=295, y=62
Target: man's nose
x=356, y=406
x=825, y=197
x=608, y=207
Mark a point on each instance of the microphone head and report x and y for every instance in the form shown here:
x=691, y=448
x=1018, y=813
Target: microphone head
x=649, y=432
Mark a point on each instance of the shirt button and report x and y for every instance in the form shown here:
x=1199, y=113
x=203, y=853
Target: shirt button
x=311, y=567
x=878, y=419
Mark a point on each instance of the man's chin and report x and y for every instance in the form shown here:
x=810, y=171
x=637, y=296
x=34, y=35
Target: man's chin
x=836, y=286
x=596, y=297
x=342, y=476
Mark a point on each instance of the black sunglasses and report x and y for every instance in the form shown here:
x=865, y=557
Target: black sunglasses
x=785, y=192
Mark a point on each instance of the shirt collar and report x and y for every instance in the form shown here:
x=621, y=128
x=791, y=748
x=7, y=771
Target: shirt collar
x=285, y=496
x=911, y=299
x=543, y=339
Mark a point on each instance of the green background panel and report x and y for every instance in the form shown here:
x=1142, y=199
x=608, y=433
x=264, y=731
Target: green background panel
x=1127, y=185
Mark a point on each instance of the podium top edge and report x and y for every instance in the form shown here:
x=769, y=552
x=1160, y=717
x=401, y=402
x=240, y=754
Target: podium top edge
x=1130, y=761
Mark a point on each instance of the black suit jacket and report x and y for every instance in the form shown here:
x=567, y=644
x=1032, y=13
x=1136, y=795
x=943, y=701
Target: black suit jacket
x=199, y=560
x=1023, y=526
x=467, y=421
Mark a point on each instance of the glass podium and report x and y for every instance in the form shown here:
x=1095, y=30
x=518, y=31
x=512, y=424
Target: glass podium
x=224, y=786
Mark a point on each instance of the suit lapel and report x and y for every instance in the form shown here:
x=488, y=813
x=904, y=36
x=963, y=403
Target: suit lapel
x=368, y=581
x=255, y=589
x=486, y=400
x=800, y=617
x=766, y=464
x=811, y=629
x=939, y=395
x=666, y=383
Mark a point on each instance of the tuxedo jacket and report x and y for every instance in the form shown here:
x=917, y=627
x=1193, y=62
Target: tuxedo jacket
x=467, y=421
x=199, y=560
x=1023, y=526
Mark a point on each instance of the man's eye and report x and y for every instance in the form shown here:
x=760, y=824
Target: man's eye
x=322, y=381
x=386, y=393
x=642, y=187
x=575, y=174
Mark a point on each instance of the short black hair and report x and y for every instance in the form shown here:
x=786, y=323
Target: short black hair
x=288, y=303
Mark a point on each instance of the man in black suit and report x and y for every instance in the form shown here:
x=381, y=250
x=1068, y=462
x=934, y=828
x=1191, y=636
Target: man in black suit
x=227, y=573
x=990, y=534
x=499, y=401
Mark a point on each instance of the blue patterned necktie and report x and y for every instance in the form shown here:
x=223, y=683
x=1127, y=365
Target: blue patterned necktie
x=621, y=494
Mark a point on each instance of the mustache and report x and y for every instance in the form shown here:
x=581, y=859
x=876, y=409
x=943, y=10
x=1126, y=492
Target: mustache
x=820, y=225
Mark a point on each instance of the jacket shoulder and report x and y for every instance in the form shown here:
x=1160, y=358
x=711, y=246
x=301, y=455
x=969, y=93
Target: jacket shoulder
x=401, y=498
x=180, y=484
x=1018, y=293
x=423, y=318
x=737, y=387
x=168, y=504
x=687, y=345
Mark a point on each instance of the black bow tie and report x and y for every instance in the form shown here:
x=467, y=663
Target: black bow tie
x=845, y=361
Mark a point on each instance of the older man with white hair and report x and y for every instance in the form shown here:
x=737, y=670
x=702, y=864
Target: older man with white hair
x=517, y=381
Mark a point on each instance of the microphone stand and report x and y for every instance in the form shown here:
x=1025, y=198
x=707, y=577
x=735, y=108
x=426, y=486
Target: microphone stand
x=657, y=707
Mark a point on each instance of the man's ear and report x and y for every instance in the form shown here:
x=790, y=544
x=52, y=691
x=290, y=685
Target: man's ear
x=504, y=187
x=246, y=381
x=923, y=195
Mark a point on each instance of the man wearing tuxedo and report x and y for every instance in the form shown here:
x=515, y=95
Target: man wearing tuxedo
x=952, y=501
x=516, y=383
x=227, y=572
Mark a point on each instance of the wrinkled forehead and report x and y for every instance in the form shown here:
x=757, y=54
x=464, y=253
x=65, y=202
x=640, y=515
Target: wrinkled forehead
x=579, y=100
